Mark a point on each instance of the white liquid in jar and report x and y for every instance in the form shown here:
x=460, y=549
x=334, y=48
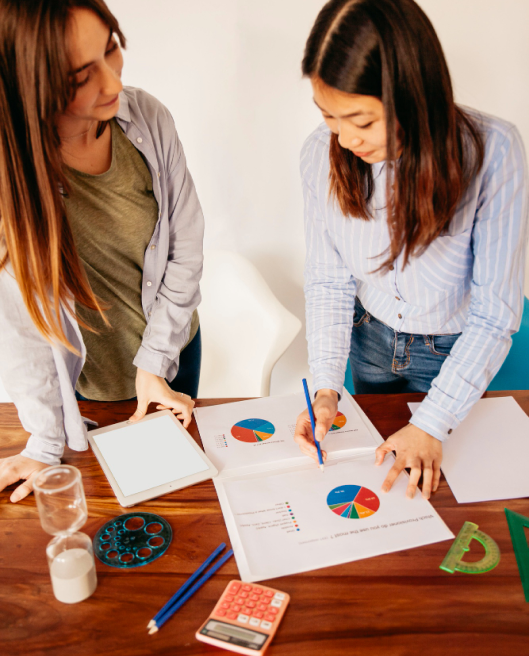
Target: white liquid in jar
x=73, y=575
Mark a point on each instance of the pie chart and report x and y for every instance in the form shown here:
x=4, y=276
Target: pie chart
x=253, y=430
x=353, y=501
x=339, y=422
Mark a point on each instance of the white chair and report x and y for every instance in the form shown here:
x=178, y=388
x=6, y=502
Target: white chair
x=4, y=396
x=245, y=329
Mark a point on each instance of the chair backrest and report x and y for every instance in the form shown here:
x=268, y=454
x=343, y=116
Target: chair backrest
x=244, y=328
x=4, y=396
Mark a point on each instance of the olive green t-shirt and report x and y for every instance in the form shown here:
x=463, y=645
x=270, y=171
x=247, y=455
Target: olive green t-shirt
x=113, y=216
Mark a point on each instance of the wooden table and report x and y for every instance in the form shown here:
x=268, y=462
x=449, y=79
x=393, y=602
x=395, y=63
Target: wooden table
x=397, y=604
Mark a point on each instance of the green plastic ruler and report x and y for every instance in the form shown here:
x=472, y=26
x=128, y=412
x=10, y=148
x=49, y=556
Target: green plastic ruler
x=517, y=524
x=454, y=558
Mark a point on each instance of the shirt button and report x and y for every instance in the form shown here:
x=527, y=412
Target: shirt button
x=400, y=315
x=398, y=299
x=391, y=267
x=139, y=140
x=150, y=313
x=449, y=431
x=153, y=247
x=149, y=284
x=158, y=173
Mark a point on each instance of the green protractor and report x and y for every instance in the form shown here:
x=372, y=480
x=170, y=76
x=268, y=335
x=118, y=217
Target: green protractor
x=454, y=558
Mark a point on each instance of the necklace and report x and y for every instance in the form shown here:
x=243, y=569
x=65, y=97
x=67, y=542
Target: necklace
x=80, y=134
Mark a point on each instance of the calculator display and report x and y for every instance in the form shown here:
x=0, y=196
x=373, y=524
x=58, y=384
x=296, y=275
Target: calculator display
x=234, y=634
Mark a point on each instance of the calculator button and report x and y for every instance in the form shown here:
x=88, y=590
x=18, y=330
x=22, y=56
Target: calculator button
x=269, y=593
x=239, y=600
x=244, y=595
x=243, y=618
x=225, y=605
x=254, y=597
x=266, y=625
x=269, y=618
x=257, y=613
x=276, y=602
x=234, y=588
x=258, y=591
x=247, y=588
x=221, y=612
x=247, y=611
x=236, y=607
x=232, y=616
x=279, y=595
x=262, y=607
x=254, y=621
x=273, y=611
x=229, y=598
x=250, y=604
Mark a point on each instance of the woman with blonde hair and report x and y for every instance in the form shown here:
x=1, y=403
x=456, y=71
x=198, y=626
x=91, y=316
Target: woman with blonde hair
x=101, y=233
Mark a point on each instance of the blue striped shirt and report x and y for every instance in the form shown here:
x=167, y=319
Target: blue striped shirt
x=469, y=280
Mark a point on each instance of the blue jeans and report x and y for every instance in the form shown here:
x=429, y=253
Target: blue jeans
x=188, y=375
x=384, y=361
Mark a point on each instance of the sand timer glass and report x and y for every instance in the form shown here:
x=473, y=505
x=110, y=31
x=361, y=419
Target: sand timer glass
x=62, y=509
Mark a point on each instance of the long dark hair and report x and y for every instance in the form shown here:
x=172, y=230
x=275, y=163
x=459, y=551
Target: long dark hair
x=35, y=88
x=389, y=49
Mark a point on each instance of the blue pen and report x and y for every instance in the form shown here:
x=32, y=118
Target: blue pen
x=312, y=422
x=172, y=610
x=186, y=585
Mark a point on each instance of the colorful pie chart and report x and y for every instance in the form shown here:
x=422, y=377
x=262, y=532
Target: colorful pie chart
x=339, y=422
x=253, y=430
x=353, y=501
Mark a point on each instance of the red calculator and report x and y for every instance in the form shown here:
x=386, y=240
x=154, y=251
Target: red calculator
x=245, y=618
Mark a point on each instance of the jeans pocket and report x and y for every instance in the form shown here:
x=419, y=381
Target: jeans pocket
x=442, y=344
x=361, y=315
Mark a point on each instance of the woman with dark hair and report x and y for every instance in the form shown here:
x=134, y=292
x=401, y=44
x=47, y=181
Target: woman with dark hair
x=100, y=233
x=415, y=215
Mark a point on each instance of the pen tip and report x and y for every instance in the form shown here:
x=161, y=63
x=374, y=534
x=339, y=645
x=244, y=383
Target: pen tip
x=153, y=629
x=151, y=623
x=321, y=467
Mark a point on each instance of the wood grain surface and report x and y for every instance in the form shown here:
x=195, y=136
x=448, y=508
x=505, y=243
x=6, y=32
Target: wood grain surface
x=393, y=605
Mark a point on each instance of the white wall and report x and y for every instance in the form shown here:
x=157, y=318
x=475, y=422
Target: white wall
x=229, y=71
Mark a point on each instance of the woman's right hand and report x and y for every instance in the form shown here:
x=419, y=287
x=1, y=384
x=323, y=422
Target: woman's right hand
x=325, y=408
x=16, y=468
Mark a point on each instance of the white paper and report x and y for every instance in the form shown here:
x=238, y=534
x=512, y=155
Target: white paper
x=146, y=455
x=487, y=457
x=277, y=417
x=280, y=524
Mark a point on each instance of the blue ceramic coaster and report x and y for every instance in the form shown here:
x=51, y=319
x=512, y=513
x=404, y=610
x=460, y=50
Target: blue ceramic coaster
x=132, y=540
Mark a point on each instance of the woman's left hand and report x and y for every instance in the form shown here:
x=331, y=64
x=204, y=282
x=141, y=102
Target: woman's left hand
x=153, y=389
x=418, y=450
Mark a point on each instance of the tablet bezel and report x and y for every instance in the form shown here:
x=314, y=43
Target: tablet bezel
x=153, y=492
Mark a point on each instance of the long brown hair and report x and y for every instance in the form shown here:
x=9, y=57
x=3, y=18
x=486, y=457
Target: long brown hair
x=389, y=49
x=35, y=88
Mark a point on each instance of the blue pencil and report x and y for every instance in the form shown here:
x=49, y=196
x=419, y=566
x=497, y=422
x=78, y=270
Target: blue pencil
x=172, y=610
x=186, y=585
x=312, y=422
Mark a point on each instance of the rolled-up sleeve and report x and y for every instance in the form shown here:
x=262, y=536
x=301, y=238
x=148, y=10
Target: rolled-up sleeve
x=496, y=302
x=329, y=286
x=178, y=295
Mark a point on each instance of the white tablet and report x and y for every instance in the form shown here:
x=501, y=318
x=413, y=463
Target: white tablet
x=148, y=458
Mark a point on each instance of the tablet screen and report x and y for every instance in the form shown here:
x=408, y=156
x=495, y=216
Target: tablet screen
x=146, y=455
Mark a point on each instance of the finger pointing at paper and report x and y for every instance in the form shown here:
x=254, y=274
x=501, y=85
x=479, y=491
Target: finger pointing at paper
x=419, y=451
x=153, y=389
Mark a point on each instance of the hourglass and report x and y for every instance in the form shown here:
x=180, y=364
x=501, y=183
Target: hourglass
x=62, y=509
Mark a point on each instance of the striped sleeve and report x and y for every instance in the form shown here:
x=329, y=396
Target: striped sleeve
x=329, y=286
x=496, y=300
